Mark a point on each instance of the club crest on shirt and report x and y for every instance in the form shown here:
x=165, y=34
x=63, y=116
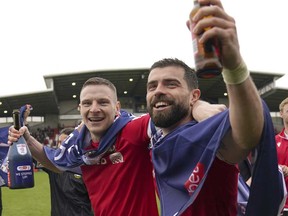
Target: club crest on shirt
x=278, y=144
x=102, y=159
x=116, y=157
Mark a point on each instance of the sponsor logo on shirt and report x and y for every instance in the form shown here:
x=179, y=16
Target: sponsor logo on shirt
x=194, y=179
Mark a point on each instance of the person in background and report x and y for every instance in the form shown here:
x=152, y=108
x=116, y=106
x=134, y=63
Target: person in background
x=282, y=146
x=68, y=192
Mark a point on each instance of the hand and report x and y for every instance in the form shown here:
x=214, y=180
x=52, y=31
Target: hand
x=203, y=110
x=14, y=135
x=27, y=113
x=218, y=24
x=284, y=170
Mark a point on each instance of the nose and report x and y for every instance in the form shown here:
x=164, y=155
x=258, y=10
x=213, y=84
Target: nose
x=160, y=90
x=95, y=107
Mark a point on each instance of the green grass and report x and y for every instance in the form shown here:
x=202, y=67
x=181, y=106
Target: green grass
x=28, y=202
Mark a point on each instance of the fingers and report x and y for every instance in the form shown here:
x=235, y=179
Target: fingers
x=13, y=135
x=208, y=11
x=284, y=170
x=221, y=107
x=211, y=2
x=210, y=18
x=212, y=22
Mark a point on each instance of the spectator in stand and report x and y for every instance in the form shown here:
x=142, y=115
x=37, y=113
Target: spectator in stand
x=68, y=192
x=282, y=146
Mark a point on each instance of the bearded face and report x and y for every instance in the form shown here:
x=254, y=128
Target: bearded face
x=166, y=112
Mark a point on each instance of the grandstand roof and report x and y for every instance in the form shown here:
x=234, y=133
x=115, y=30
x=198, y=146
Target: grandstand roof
x=60, y=88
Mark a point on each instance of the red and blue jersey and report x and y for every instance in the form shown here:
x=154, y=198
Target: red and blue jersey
x=282, y=153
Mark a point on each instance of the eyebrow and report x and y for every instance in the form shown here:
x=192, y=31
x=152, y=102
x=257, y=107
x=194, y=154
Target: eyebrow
x=165, y=80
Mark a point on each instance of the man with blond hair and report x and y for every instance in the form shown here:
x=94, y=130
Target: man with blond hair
x=282, y=146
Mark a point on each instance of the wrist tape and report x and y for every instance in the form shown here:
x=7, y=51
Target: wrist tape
x=236, y=76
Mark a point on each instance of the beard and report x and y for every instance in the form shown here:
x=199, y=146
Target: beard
x=169, y=117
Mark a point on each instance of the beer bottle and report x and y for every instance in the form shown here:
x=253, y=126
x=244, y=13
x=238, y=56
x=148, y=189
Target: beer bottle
x=20, y=161
x=206, y=55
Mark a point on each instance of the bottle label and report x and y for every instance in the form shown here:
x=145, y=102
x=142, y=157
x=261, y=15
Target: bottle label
x=24, y=168
x=206, y=55
x=22, y=149
x=20, y=175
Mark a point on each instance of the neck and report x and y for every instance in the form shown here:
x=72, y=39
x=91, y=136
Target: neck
x=183, y=121
x=286, y=129
x=94, y=138
x=286, y=132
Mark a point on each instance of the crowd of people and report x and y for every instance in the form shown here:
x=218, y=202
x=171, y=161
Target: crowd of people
x=184, y=151
x=45, y=135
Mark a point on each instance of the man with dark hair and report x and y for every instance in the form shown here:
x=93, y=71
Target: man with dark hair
x=196, y=163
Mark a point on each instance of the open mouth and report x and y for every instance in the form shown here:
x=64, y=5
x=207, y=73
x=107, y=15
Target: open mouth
x=95, y=119
x=161, y=105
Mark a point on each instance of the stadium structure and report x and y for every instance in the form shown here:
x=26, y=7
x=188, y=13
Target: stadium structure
x=57, y=106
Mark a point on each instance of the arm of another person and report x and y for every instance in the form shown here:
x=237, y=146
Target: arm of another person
x=36, y=148
x=246, y=111
x=203, y=110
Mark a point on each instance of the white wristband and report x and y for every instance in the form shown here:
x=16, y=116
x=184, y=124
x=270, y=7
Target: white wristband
x=236, y=76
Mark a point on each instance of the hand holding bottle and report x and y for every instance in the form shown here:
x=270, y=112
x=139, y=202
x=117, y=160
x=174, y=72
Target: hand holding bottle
x=211, y=22
x=20, y=161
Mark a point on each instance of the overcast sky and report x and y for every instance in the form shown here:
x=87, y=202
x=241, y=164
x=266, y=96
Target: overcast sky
x=64, y=36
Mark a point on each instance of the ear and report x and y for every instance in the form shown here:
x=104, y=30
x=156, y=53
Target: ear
x=194, y=96
x=118, y=107
x=79, y=107
x=281, y=114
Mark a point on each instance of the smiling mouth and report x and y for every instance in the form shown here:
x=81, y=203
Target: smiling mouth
x=160, y=104
x=95, y=119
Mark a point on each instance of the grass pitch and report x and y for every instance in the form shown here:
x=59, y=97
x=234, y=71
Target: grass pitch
x=28, y=202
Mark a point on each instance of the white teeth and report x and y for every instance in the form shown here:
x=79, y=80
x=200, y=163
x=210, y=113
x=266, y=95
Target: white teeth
x=159, y=104
x=94, y=118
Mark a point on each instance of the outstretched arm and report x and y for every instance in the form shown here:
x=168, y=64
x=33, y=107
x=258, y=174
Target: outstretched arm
x=246, y=112
x=203, y=110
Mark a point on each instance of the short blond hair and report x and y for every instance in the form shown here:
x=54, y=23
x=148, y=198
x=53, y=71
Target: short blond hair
x=282, y=104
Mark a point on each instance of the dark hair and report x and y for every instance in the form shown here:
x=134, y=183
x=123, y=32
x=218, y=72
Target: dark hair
x=100, y=81
x=189, y=75
x=67, y=130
